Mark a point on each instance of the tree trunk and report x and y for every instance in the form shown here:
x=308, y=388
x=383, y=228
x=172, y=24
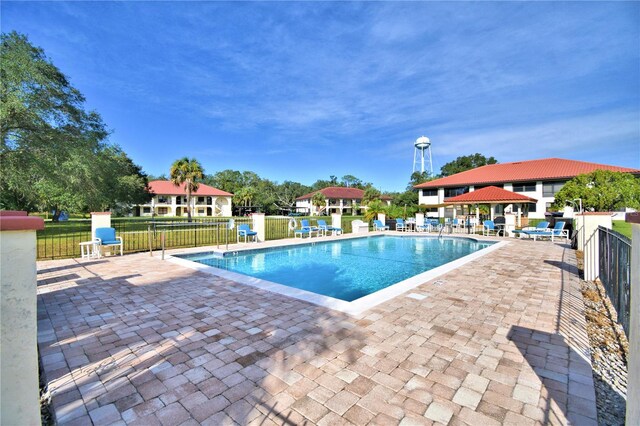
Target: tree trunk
x=188, y=202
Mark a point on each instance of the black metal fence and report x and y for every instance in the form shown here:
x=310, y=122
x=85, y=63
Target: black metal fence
x=60, y=240
x=615, y=271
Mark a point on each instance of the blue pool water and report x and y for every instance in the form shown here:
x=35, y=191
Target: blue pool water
x=346, y=269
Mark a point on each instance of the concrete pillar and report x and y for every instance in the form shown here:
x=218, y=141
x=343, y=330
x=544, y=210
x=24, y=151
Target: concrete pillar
x=419, y=219
x=633, y=368
x=587, y=228
x=100, y=220
x=509, y=223
x=259, y=226
x=19, y=387
x=336, y=220
x=382, y=217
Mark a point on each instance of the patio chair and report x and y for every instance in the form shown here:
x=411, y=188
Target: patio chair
x=542, y=226
x=305, y=229
x=456, y=224
x=245, y=231
x=324, y=228
x=557, y=231
x=435, y=224
x=488, y=227
x=106, y=237
x=379, y=226
x=400, y=225
x=425, y=227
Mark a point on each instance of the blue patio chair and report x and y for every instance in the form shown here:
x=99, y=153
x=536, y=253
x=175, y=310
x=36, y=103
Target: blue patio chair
x=379, y=226
x=488, y=227
x=557, y=231
x=400, y=225
x=245, y=231
x=305, y=229
x=324, y=228
x=106, y=237
x=542, y=226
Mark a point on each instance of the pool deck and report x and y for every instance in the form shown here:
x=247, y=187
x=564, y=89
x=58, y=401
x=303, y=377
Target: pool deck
x=138, y=340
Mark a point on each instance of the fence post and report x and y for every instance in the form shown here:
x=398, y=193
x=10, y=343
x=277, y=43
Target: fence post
x=633, y=383
x=587, y=227
x=259, y=226
x=99, y=220
x=19, y=401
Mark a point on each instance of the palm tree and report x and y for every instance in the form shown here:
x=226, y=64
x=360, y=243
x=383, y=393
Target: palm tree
x=187, y=171
x=318, y=200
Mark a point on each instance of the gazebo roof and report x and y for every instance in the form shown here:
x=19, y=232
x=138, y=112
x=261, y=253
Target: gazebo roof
x=491, y=195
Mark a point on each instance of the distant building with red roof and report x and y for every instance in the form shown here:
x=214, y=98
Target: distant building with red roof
x=170, y=199
x=338, y=199
x=538, y=180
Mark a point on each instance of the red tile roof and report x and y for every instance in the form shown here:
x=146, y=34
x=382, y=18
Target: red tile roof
x=522, y=171
x=337, y=192
x=490, y=194
x=165, y=187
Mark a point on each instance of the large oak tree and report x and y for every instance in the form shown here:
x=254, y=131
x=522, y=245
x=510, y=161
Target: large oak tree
x=54, y=153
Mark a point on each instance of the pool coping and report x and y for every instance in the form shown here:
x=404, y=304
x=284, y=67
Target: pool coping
x=355, y=307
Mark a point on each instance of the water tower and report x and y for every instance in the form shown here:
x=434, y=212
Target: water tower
x=422, y=145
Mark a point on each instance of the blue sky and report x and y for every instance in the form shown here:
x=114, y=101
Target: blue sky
x=301, y=91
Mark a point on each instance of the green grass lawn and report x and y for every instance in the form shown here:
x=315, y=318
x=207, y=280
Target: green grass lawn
x=622, y=227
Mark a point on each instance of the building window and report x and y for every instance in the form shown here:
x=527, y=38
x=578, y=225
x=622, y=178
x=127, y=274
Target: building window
x=163, y=210
x=146, y=210
x=452, y=192
x=200, y=199
x=524, y=187
x=476, y=187
x=532, y=207
x=429, y=192
x=162, y=199
x=550, y=189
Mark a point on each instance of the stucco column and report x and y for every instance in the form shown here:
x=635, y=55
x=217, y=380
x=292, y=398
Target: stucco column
x=101, y=220
x=19, y=387
x=419, y=219
x=587, y=228
x=633, y=369
x=259, y=226
x=336, y=220
x=509, y=224
x=382, y=218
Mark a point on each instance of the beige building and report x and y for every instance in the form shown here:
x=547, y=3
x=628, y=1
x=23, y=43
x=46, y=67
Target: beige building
x=338, y=199
x=171, y=200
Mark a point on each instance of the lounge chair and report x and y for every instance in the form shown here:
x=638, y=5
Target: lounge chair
x=379, y=226
x=305, y=229
x=425, y=227
x=400, y=225
x=542, y=226
x=557, y=231
x=324, y=228
x=245, y=231
x=489, y=227
x=106, y=237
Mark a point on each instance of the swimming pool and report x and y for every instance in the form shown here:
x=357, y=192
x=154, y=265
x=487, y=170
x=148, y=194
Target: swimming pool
x=347, y=270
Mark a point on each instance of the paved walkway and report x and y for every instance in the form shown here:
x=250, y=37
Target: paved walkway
x=138, y=340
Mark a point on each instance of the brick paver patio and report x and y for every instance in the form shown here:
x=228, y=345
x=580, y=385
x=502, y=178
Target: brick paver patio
x=138, y=340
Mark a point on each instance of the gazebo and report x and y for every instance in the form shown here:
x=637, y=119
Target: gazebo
x=491, y=195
